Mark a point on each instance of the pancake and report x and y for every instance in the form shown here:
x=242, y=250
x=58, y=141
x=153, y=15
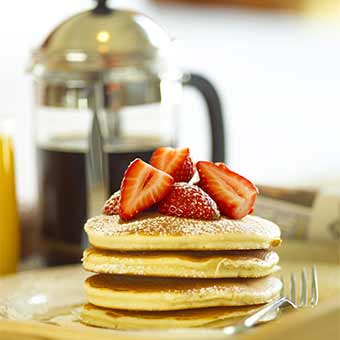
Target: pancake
x=156, y=294
x=124, y=319
x=153, y=231
x=207, y=264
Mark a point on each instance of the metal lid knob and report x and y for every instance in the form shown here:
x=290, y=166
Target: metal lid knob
x=102, y=7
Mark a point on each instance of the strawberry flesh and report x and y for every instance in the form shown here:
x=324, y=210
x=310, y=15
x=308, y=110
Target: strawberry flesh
x=142, y=186
x=175, y=162
x=189, y=201
x=234, y=194
x=111, y=206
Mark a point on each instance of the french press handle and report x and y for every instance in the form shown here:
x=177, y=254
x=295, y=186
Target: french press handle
x=214, y=107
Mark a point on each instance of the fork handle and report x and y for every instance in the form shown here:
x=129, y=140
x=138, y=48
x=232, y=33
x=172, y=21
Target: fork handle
x=253, y=319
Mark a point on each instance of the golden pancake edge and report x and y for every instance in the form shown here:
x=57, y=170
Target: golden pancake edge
x=125, y=319
x=200, y=264
x=165, y=294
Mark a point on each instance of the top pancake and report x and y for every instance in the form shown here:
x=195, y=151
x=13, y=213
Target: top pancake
x=153, y=231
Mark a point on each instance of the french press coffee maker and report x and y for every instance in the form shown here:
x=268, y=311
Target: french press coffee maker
x=106, y=92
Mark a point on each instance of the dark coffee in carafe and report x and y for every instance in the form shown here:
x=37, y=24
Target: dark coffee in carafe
x=62, y=187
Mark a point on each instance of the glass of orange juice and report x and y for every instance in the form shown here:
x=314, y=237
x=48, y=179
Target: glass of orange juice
x=9, y=224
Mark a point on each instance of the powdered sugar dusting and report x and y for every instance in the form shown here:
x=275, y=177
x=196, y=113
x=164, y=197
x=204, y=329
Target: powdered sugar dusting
x=154, y=224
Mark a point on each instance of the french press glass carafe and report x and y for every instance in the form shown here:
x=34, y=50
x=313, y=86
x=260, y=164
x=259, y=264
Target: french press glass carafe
x=106, y=92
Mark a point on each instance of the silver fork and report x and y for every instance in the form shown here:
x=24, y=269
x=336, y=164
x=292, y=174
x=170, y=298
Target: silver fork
x=287, y=299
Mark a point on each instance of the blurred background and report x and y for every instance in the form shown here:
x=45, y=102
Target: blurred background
x=275, y=66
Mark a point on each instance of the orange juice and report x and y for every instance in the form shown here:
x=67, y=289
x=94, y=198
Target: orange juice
x=9, y=225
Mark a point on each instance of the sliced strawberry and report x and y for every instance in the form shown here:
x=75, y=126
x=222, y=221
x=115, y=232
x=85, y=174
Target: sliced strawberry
x=235, y=195
x=142, y=186
x=190, y=201
x=111, y=206
x=175, y=162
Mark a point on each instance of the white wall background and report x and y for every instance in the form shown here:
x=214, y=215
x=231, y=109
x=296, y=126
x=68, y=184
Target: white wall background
x=279, y=77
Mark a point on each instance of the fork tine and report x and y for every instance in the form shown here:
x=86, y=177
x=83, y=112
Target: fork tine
x=293, y=296
x=315, y=287
x=303, y=288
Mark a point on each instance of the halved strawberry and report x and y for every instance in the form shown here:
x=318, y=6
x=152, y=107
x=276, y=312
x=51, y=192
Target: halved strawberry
x=190, y=201
x=235, y=195
x=175, y=162
x=142, y=186
x=111, y=206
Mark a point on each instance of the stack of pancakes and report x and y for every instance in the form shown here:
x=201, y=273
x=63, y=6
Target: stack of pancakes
x=159, y=271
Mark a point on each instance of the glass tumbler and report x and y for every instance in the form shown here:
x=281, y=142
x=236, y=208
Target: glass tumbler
x=9, y=222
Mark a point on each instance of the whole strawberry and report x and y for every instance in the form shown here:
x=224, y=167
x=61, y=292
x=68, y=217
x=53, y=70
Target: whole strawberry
x=111, y=206
x=190, y=201
x=185, y=172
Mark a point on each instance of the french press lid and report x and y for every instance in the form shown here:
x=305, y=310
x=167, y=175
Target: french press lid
x=116, y=45
x=106, y=58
